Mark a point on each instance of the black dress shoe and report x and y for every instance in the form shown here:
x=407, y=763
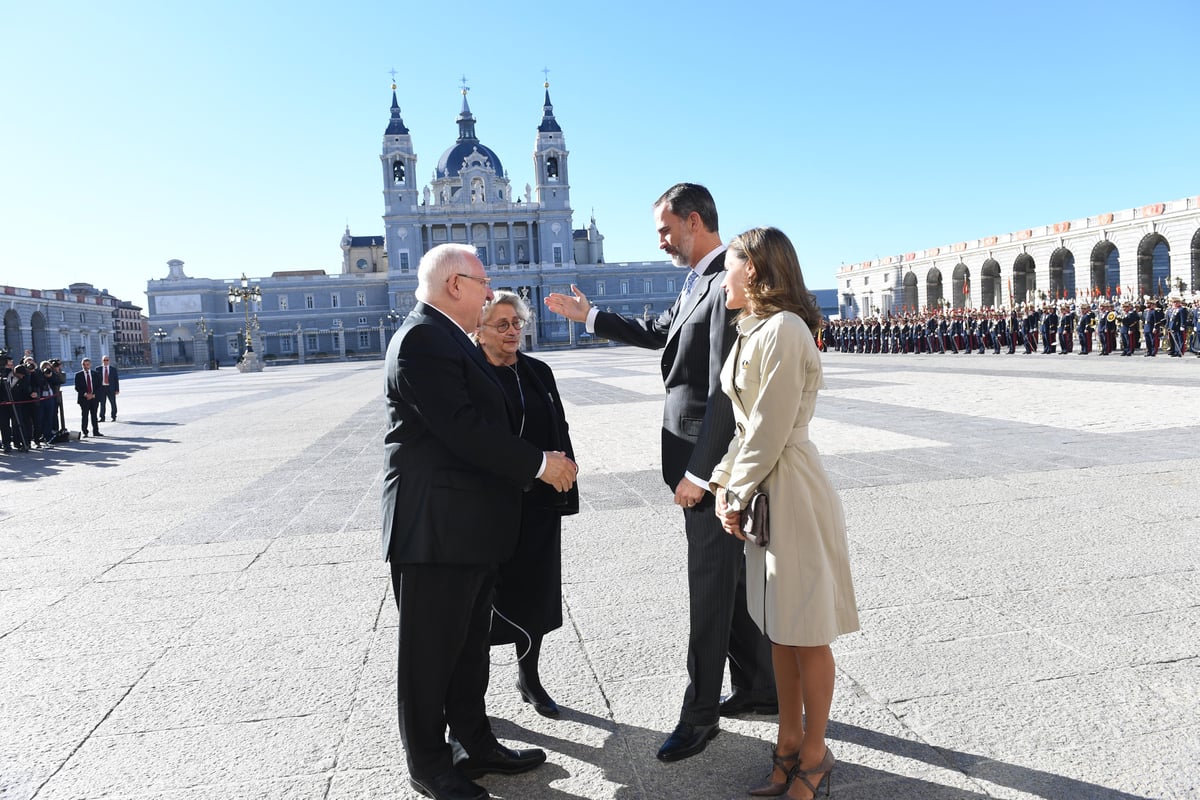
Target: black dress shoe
x=97, y=433
x=743, y=703
x=540, y=699
x=502, y=760
x=449, y=786
x=687, y=740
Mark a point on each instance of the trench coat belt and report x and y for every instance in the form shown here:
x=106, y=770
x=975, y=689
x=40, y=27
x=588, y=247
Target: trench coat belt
x=798, y=436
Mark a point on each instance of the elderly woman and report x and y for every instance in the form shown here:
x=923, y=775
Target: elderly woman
x=798, y=585
x=528, y=601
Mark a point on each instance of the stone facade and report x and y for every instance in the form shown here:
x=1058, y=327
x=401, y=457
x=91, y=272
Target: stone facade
x=67, y=324
x=1152, y=250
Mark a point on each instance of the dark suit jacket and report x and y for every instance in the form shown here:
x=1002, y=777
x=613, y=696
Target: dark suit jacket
x=114, y=380
x=455, y=468
x=81, y=388
x=695, y=337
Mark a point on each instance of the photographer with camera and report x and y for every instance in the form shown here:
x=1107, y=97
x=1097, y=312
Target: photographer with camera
x=47, y=407
x=10, y=428
x=58, y=379
x=20, y=391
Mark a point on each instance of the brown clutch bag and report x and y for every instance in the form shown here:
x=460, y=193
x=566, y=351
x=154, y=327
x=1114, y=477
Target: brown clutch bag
x=756, y=520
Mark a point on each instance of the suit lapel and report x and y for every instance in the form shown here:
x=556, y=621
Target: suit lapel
x=703, y=287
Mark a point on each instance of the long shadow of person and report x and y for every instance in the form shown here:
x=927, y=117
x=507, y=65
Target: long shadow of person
x=727, y=768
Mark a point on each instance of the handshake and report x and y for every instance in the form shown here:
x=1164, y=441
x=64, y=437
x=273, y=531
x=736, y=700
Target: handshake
x=560, y=471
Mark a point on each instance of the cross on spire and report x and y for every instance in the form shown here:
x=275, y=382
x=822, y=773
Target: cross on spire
x=546, y=72
x=465, y=88
x=392, y=72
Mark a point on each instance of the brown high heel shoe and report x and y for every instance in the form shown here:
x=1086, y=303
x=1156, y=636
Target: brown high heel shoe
x=826, y=766
x=787, y=765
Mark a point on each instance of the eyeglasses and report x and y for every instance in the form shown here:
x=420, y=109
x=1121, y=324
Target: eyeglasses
x=487, y=282
x=503, y=325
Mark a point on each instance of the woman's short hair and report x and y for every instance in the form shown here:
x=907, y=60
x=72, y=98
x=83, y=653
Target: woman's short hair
x=505, y=297
x=778, y=283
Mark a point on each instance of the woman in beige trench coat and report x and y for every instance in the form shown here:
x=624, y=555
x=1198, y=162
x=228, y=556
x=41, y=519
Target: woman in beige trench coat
x=798, y=587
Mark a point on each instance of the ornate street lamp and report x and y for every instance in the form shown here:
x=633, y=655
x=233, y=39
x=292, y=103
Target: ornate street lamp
x=160, y=334
x=245, y=294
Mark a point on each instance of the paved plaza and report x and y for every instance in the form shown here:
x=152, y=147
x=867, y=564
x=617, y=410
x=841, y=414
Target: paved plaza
x=195, y=608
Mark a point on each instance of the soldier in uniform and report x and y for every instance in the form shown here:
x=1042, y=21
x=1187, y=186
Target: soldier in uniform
x=1152, y=322
x=1195, y=323
x=943, y=328
x=931, y=338
x=1049, y=329
x=1030, y=328
x=1066, y=329
x=1000, y=334
x=1177, y=317
x=1129, y=323
x=1106, y=328
x=1087, y=323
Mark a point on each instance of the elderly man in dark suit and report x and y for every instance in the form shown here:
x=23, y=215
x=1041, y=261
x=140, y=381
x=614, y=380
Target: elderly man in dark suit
x=87, y=395
x=695, y=335
x=456, y=471
x=108, y=381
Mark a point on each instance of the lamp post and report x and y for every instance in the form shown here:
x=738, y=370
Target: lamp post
x=160, y=334
x=245, y=294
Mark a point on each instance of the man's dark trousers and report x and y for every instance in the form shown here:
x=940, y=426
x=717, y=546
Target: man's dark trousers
x=446, y=640
x=719, y=621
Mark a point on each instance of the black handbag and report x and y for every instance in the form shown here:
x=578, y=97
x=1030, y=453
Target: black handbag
x=756, y=520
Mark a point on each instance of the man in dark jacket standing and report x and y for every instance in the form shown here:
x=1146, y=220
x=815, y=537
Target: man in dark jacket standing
x=86, y=396
x=108, y=381
x=456, y=471
x=695, y=335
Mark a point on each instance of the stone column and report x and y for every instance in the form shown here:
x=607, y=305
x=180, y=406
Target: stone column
x=300, y=342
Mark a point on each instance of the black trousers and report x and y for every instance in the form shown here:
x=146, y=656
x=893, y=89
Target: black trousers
x=107, y=398
x=721, y=626
x=88, y=408
x=442, y=662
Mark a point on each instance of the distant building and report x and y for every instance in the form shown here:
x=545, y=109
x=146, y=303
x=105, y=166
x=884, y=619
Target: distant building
x=528, y=244
x=68, y=324
x=1153, y=250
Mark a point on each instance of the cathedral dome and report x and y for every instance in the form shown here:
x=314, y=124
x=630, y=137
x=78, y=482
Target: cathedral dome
x=464, y=153
x=468, y=150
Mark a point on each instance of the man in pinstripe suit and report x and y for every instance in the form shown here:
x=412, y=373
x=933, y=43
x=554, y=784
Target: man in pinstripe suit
x=695, y=335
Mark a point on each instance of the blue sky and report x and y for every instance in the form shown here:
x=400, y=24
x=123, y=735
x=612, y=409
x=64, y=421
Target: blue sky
x=244, y=136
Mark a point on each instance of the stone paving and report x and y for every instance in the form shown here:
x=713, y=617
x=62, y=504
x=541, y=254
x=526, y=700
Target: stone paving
x=195, y=607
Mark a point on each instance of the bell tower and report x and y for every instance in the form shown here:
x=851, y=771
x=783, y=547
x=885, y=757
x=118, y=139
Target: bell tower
x=399, y=164
x=550, y=161
x=400, y=189
x=553, y=189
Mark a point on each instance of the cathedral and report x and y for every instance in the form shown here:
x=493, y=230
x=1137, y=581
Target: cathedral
x=527, y=243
